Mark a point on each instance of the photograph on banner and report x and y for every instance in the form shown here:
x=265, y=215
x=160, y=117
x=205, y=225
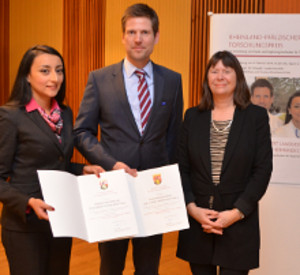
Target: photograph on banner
x=281, y=97
x=284, y=87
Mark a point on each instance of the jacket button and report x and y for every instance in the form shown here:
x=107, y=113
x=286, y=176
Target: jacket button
x=61, y=158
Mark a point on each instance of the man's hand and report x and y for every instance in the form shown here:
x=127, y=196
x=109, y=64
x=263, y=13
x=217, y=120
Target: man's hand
x=93, y=169
x=121, y=165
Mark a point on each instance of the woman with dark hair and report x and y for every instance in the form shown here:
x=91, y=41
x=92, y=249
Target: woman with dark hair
x=36, y=133
x=291, y=128
x=225, y=161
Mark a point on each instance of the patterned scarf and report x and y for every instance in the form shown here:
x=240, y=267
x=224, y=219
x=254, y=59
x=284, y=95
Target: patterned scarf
x=54, y=120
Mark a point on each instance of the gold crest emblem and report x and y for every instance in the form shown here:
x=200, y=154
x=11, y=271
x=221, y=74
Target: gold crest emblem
x=157, y=179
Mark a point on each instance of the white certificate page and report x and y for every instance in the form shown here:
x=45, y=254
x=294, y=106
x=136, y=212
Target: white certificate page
x=87, y=207
x=158, y=201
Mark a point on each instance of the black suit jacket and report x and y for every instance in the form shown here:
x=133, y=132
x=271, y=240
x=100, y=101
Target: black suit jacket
x=27, y=144
x=105, y=102
x=245, y=174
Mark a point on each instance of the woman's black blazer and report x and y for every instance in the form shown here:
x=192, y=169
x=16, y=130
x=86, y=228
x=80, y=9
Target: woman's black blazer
x=27, y=144
x=245, y=175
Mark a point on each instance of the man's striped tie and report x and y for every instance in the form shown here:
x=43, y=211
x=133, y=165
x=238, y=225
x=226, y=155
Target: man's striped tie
x=144, y=98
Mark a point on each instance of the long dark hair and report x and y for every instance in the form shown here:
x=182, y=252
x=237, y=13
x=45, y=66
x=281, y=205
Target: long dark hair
x=241, y=96
x=288, y=116
x=21, y=92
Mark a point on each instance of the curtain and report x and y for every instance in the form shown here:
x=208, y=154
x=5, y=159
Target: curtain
x=4, y=51
x=83, y=47
x=200, y=35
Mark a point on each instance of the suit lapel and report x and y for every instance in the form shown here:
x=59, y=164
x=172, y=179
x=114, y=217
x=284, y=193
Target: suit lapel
x=203, y=127
x=120, y=94
x=44, y=127
x=66, y=139
x=234, y=135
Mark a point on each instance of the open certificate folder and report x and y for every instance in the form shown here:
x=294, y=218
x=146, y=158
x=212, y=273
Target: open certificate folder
x=116, y=205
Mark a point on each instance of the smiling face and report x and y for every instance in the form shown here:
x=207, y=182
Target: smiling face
x=45, y=78
x=294, y=111
x=221, y=80
x=139, y=40
x=261, y=96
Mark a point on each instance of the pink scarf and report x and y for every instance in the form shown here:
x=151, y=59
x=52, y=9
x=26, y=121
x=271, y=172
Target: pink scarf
x=54, y=120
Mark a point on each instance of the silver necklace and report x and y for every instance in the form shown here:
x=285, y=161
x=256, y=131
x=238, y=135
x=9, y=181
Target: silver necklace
x=217, y=129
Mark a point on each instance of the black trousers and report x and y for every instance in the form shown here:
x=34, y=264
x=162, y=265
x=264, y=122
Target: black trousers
x=198, y=269
x=146, y=255
x=36, y=253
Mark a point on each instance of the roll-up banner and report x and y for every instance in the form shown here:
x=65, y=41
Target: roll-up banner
x=268, y=47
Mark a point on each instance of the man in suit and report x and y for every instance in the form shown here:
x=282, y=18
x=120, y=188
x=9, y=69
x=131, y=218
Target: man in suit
x=134, y=135
x=262, y=94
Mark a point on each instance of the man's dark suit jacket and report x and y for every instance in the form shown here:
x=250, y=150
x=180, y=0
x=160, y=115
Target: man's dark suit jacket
x=27, y=144
x=105, y=102
x=245, y=175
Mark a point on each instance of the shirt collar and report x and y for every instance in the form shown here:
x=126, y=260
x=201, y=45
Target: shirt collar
x=130, y=69
x=33, y=105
